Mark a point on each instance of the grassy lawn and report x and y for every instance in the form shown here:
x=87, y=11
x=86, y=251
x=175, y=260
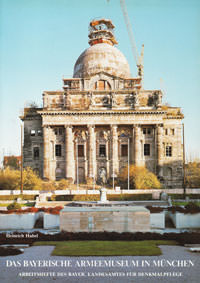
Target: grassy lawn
x=106, y=248
x=183, y=203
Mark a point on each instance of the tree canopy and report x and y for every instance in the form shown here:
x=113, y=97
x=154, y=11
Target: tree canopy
x=12, y=162
x=10, y=179
x=193, y=174
x=140, y=178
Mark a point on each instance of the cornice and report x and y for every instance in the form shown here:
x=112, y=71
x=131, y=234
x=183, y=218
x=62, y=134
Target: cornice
x=93, y=113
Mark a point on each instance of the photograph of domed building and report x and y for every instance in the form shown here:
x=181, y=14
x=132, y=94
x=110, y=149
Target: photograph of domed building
x=102, y=120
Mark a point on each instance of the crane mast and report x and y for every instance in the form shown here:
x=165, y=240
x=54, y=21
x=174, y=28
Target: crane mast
x=138, y=59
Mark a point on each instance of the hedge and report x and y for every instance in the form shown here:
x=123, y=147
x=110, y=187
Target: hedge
x=181, y=196
x=15, y=197
x=181, y=238
x=120, y=197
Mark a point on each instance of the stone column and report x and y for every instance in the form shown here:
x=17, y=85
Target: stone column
x=107, y=158
x=85, y=157
x=69, y=154
x=115, y=159
x=160, y=150
x=92, y=152
x=137, y=145
x=46, y=152
x=178, y=134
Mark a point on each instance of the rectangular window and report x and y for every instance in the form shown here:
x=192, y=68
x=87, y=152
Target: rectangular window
x=168, y=150
x=172, y=132
x=32, y=133
x=148, y=131
x=166, y=132
x=146, y=149
x=80, y=150
x=144, y=131
x=102, y=150
x=124, y=150
x=36, y=152
x=39, y=132
x=58, y=131
x=58, y=150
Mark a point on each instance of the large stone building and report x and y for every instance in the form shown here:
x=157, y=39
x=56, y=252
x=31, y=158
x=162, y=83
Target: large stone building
x=103, y=119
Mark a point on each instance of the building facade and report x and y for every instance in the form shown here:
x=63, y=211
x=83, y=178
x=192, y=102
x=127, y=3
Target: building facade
x=103, y=119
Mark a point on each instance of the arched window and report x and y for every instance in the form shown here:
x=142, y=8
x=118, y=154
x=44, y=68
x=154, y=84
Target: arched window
x=102, y=85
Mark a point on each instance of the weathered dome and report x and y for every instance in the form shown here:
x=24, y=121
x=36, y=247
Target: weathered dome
x=101, y=57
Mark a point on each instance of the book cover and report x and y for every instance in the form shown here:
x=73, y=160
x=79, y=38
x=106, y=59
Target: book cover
x=99, y=76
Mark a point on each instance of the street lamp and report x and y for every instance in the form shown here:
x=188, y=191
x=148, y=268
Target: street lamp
x=93, y=180
x=77, y=178
x=113, y=171
x=128, y=164
x=184, y=183
x=21, y=179
x=113, y=175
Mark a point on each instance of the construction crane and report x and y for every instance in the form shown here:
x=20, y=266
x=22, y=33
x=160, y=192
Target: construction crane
x=138, y=58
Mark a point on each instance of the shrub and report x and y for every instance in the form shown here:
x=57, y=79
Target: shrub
x=8, y=251
x=13, y=206
x=62, y=184
x=140, y=178
x=75, y=197
x=11, y=179
x=129, y=197
x=48, y=186
x=193, y=174
x=14, y=197
x=30, y=180
x=12, y=162
x=192, y=205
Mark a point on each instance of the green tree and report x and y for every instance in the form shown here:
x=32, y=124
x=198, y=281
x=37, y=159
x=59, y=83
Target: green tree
x=31, y=181
x=14, y=205
x=11, y=162
x=193, y=174
x=11, y=179
x=140, y=178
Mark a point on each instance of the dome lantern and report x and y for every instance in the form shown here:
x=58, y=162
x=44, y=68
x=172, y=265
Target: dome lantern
x=102, y=55
x=101, y=31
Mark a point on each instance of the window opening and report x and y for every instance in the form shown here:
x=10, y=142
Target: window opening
x=168, y=150
x=80, y=150
x=36, y=152
x=102, y=150
x=124, y=150
x=58, y=150
x=146, y=149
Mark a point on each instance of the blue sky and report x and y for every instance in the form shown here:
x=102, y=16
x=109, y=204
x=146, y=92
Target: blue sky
x=40, y=41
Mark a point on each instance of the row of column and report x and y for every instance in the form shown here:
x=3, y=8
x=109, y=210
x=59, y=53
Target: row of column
x=69, y=150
